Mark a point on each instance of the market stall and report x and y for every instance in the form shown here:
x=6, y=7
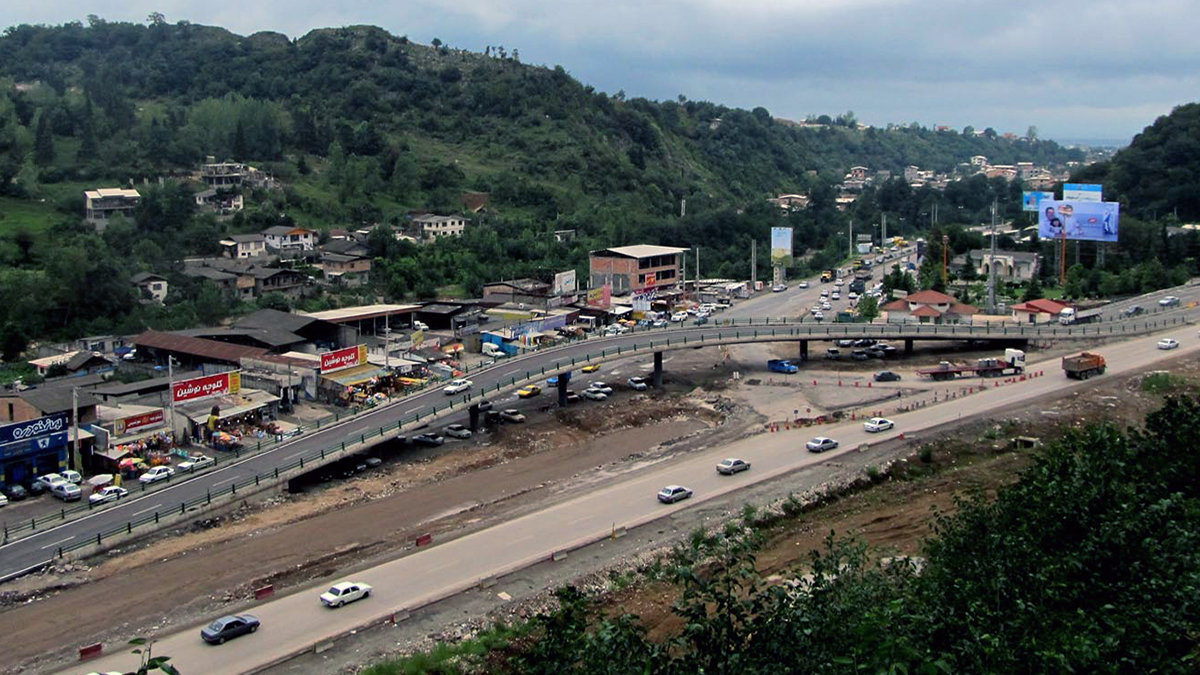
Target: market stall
x=230, y=421
x=362, y=386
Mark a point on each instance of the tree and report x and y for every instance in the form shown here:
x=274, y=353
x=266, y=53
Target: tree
x=275, y=300
x=1033, y=291
x=43, y=147
x=868, y=308
x=150, y=662
x=12, y=342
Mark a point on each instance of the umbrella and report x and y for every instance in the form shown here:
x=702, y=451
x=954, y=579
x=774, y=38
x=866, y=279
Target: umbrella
x=100, y=479
x=131, y=461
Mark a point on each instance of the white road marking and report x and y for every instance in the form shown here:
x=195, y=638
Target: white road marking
x=58, y=542
x=147, y=509
x=227, y=480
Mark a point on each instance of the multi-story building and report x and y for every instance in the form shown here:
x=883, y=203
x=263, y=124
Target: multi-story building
x=285, y=238
x=435, y=227
x=347, y=270
x=152, y=285
x=222, y=174
x=242, y=246
x=636, y=268
x=105, y=203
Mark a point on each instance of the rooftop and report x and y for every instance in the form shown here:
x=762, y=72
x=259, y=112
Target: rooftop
x=206, y=349
x=104, y=193
x=346, y=314
x=57, y=398
x=641, y=251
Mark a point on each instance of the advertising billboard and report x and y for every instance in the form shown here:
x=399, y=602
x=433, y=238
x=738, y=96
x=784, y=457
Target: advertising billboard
x=564, y=283
x=1030, y=200
x=135, y=423
x=1086, y=220
x=600, y=297
x=341, y=359
x=781, y=246
x=1082, y=192
x=210, y=385
x=20, y=431
x=643, y=299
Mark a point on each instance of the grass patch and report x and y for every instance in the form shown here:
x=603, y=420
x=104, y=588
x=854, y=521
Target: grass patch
x=465, y=656
x=23, y=214
x=1161, y=382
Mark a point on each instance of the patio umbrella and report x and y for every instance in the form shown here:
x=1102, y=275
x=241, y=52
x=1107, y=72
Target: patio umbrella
x=100, y=479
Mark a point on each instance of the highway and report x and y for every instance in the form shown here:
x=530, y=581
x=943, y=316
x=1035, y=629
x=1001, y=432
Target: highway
x=297, y=621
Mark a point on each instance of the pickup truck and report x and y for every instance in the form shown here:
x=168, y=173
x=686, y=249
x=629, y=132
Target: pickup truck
x=781, y=366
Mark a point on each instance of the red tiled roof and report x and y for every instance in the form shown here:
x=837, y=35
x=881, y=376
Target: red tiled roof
x=962, y=310
x=208, y=349
x=926, y=310
x=1040, y=306
x=930, y=297
x=896, y=305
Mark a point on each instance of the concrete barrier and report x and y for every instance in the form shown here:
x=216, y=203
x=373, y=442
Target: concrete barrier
x=91, y=651
x=425, y=540
x=264, y=592
x=558, y=555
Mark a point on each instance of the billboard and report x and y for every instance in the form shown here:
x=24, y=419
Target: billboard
x=1030, y=200
x=134, y=423
x=781, y=246
x=341, y=359
x=1082, y=192
x=19, y=431
x=643, y=299
x=600, y=297
x=204, y=387
x=564, y=283
x=1087, y=220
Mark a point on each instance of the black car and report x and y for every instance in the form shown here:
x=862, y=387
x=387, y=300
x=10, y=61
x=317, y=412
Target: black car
x=430, y=440
x=865, y=342
x=493, y=417
x=484, y=405
x=229, y=627
x=1134, y=310
x=886, y=376
x=16, y=493
x=35, y=488
x=573, y=397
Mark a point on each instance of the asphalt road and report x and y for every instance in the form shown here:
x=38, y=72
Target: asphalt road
x=298, y=621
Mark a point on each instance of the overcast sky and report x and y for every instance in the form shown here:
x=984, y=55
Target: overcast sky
x=1097, y=70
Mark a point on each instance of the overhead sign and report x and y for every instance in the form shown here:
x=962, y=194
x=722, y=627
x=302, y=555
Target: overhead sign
x=564, y=283
x=135, y=423
x=34, y=445
x=1082, y=192
x=210, y=385
x=781, y=246
x=1087, y=220
x=1030, y=200
x=42, y=426
x=343, y=358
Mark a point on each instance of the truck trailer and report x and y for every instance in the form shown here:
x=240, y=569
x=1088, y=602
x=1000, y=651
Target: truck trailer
x=1013, y=363
x=1083, y=366
x=1073, y=315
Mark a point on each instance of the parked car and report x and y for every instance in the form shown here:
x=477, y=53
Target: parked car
x=700, y=320
x=803, y=284
x=458, y=431
x=156, y=474
x=3, y=499
x=196, y=462
x=46, y=483
x=590, y=368
x=833, y=354
x=493, y=416
x=731, y=466
x=457, y=386
x=573, y=397
x=72, y=477
x=344, y=593
x=821, y=444
x=484, y=405
x=673, y=493
x=845, y=343
x=594, y=394
x=1168, y=301
x=513, y=416
x=600, y=387
x=859, y=355
x=779, y=288
x=877, y=424
x=68, y=492
x=109, y=494
x=638, y=384
x=885, y=349
x=229, y=627
x=659, y=323
x=16, y=493
x=1168, y=343
x=679, y=317
x=529, y=391
x=865, y=342
x=887, y=376
x=428, y=439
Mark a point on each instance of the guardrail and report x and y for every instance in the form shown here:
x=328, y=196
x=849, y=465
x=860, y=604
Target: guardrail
x=777, y=329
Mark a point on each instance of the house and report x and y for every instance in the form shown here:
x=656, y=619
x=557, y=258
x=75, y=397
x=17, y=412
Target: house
x=858, y=172
x=474, y=202
x=347, y=270
x=271, y=280
x=1010, y=265
x=790, y=202
x=222, y=204
x=912, y=174
x=79, y=362
x=106, y=203
x=1037, y=311
x=222, y=174
x=347, y=246
x=225, y=281
x=979, y=161
x=635, y=268
x=527, y=291
x=928, y=307
x=290, y=238
x=151, y=285
x=435, y=227
x=242, y=246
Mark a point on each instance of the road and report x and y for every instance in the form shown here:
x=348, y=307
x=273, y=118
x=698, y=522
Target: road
x=298, y=621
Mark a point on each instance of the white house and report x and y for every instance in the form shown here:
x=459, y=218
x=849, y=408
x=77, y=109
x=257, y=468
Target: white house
x=284, y=238
x=242, y=246
x=434, y=226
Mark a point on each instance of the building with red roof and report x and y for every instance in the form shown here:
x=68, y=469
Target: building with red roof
x=1037, y=311
x=928, y=307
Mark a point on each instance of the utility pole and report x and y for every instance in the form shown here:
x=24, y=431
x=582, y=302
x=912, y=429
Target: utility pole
x=697, y=270
x=945, y=257
x=171, y=390
x=883, y=233
x=753, y=264
x=852, y=238
x=74, y=463
x=991, y=266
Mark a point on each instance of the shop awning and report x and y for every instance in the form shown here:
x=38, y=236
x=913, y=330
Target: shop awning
x=113, y=453
x=229, y=406
x=137, y=436
x=356, y=375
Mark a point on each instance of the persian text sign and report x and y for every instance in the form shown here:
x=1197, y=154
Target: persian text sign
x=204, y=387
x=42, y=426
x=343, y=358
x=128, y=425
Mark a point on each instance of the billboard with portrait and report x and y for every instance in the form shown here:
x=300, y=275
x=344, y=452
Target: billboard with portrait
x=1086, y=220
x=781, y=246
x=1030, y=200
x=1082, y=192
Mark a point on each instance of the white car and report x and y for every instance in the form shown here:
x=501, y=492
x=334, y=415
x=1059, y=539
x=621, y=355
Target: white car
x=600, y=387
x=853, y=295
x=1168, y=301
x=818, y=315
x=68, y=492
x=679, y=317
x=50, y=480
x=109, y=494
x=824, y=293
x=836, y=296
x=345, y=592
x=1168, y=343
x=826, y=306
x=594, y=394
x=730, y=466
x=821, y=444
x=458, y=431
x=673, y=493
x=803, y=284
x=638, y=384
x=457, y=387
x=72, y=477
x=197, y=462
x=156, y=474
x=876, y=424
x=779, y=288
x=3, y=499
x=839, y=283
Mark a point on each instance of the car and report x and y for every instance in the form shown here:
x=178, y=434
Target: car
x=108, y=494
x=821, y=444
x=1134, y=310
x=865, y=342
x=853, y=295
x=1168, y=343
x=885, y=349
x=638, y=384
x=492, y=416
x=818, y=315
x=679, y=317
x=839, y=283
x=3, y=499
x=72, y=477
x=196, y=462
x=875, y=352
x=428, y=439
x=47, y=482
x=803, y=284
x=511, y=415
x=457, y=431
x=1169, y=301
x=373, y=462
x=229, y=627
x=484, y=405
x=457, y=387
x=709, y=307
x=529, y=391
x=600, y=387
x=700, y=320
x=590, y=368
x=779, y=288
x=594, y=394
x=859, y=355
x=835, y=296
x=156, y=474
x=673, y=493
x=826, y=306
x=877, y=424
x=833, y=354
x=845, y=343
x=35, y=488
x=824, y=293
x=68, y=492
x=16, y=493
x=345, y=592
x=731, y=466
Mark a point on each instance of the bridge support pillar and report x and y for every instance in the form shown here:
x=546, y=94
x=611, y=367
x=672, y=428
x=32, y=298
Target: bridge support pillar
x=473, y=413
x=908, y=346
x=804, y=350
x=563, y=380
x=657, y=379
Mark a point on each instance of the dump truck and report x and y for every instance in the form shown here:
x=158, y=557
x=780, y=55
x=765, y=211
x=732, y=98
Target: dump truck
x=1083, y=366
x=781, y=366
x=1013, y=363
x=1073, y=315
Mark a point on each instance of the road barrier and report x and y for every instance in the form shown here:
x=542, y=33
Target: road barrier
x=264, y=592
x=425, y=540
x=90, y=652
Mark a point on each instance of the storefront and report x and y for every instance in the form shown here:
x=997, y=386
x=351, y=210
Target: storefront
x=135, y=431
x=230, y=421
x=33, y=448
x=361, y=386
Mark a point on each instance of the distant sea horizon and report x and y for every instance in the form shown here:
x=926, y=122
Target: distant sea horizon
x=1095, y=142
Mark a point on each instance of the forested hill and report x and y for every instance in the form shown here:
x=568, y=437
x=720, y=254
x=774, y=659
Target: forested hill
x=127, y=100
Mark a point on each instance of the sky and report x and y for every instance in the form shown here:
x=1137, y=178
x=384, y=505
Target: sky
x=1095, y=71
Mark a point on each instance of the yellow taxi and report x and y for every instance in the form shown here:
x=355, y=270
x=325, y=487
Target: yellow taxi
x=529, y=391
x=591, y=368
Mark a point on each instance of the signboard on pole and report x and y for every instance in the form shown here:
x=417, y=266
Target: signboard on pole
x=1086, y=220
x=343, y=358
x=564, y=283
x=135, y=423
x=1030, y=200
x=1082, y=192
x=210, y=385
x=42, y=426
x=781, y=246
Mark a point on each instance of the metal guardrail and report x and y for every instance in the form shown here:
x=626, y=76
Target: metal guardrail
x=777, y=329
